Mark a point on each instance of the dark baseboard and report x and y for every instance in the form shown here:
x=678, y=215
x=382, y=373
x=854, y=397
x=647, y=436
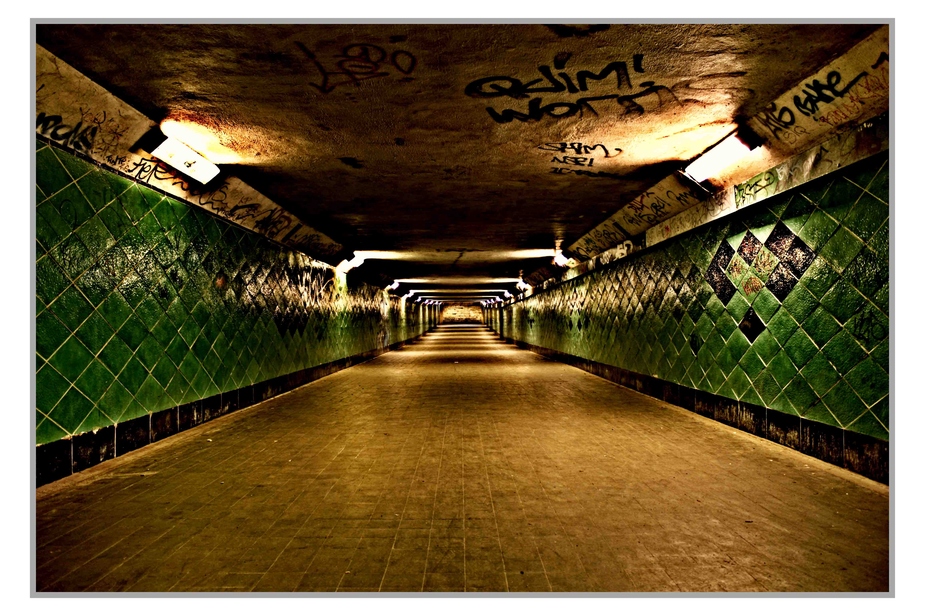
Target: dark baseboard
x=59, y=459
x=862, y=454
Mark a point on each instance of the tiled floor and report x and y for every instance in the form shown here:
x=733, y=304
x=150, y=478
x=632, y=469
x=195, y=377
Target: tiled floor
x=463, y=464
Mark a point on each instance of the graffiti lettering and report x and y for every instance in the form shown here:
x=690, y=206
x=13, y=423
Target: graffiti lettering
x=873, y=88
x=78, y=136
x=761, y=186
x=651, y=208
x=595, y=174
x=573, y=160
x=578, y=148
x=359, y=62
x=817, y=92
x=511, y=87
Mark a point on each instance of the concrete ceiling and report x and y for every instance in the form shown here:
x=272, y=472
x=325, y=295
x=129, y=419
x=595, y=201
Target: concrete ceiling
x=453, y=142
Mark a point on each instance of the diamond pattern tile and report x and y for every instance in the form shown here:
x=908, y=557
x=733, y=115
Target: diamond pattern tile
x=153, y=303
x=780, y=305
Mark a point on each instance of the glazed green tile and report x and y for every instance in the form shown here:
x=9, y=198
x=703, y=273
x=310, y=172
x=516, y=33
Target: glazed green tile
x=50, y=175
x=50, y=334
x=880, y=241
x=189, y=366
x=714, y=308
x=152, y=395
x=50, y=228
x=782, y=369
x=93, y=421
x=868, y=424
x=76, y=167
x=819, y=277
x=133, y=410
x=820, y=327
x=72, y=256
x=50, y=386
x=880, y=185
x=739, y=382
x=868, y=326
x=94, y=381
x=765, y=305
x=96, y=237
x=869, y=381
x=800, y=394
x=70, y=412
x=177, y=312
x=50, y=280
x=48, y=431
x=164, y=331
x=881, y=355
x=133, y=375
x=751, y=363
x=881, y=411
x=96, y=188
x=766, y=386
x=726, y=391
x=115, y=355
x=133, y=203
x=201, y=383
x=800, y=303
x=864, y=171
x=841, y=249
x=163, y=371
x=820, y=414
x=782, y=326
x=96, y=284
x=134, y=246
x=737, y=344
x=95, y=333
x=133, y=332
x=868, y=273
x=115, y=310
x=177, y=350
x=842, y=301
x=115, y=400
x=782, y=404
x=798, y=212
x=818, y=229
x=820, y=374
x=115, y=220
x=149, y=312
x=165, y=213
x=766, y=346
x=72, y=206
x=725, y=325
x=843, y=352
x=882, y=299
x=737, y=269
x=725, y=360
x=149, y=352
x=867, y=216
x=844, y=403
x=737, y=306
x=132, y=289
x=201, y=347
x=71, y=358
x=177, y=388
x=150, y=229
x=840, y=198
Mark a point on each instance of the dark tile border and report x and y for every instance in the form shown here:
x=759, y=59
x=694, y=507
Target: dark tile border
x=59, y=459
x=859, y=453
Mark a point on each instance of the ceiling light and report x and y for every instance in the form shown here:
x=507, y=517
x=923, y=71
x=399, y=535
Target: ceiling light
x=185, y=160
x=345, y=266
x=723, y=155
x=392, y=286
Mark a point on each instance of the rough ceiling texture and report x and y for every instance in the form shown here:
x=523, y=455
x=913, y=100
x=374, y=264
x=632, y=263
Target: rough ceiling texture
x=456, y=142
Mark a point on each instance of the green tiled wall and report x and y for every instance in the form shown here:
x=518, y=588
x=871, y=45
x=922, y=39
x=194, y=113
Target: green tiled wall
x=144, y=302
x=785, y=305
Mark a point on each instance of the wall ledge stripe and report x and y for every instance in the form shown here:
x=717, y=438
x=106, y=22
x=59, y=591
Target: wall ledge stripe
x=859, y=453
x=59, y=459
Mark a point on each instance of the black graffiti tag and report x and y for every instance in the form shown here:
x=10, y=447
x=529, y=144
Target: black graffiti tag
x=504, y=86
x=359, y=62
x=78, y=136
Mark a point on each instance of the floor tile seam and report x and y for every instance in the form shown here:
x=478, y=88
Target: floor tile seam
x=494, y=514
x=402, y=516
x=378, y=501
x=78, y=547
x=434, y=504
x=119, y=565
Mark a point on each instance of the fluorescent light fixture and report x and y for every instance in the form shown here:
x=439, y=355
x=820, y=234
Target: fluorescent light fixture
x=560, y=259
x=207, y=140
x=345, y=266
x=185, y=160
x=723, y=155
x=392, y=286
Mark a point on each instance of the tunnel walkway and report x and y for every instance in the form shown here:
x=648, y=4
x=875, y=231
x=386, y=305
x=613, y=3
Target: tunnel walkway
x=461, y=463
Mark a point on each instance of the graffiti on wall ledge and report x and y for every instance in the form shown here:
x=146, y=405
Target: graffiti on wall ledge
x=569, y=155
x=359, y=62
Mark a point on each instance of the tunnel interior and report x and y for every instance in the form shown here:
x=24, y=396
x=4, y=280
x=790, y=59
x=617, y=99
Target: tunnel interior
x=371, y=183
